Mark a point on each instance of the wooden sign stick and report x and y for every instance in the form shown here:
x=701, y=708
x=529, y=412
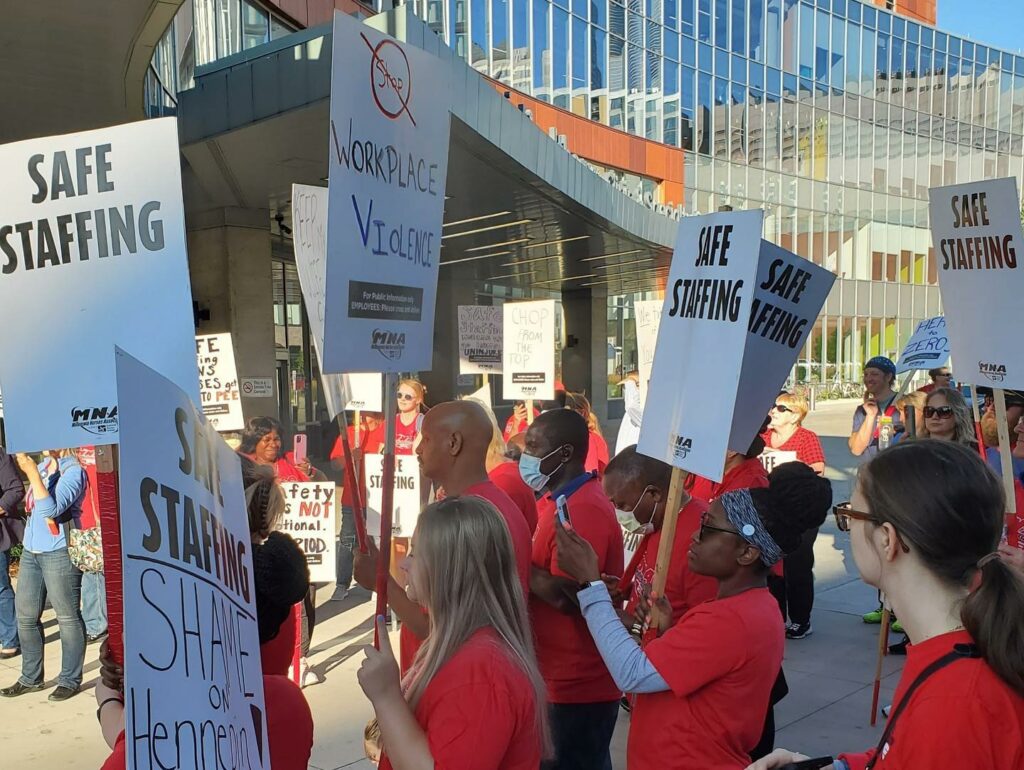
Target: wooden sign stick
x=977, y=420
x=1005, y=460
x=883, y=648
x=668, y=537
x=529, y=411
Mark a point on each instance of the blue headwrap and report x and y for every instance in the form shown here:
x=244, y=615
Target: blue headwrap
x=741, y=513
x=883, y=364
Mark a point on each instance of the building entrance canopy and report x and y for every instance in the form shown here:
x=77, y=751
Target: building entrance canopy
x=520, y=210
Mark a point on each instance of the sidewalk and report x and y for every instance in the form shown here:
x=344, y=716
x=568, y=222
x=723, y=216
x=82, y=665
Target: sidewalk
x=830, y=674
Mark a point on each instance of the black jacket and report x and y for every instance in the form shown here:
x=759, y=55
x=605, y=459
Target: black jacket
x=12, y=498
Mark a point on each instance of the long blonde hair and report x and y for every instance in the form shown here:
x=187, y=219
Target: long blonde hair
x=579, y=403
x=465, y=550
x=497, y=448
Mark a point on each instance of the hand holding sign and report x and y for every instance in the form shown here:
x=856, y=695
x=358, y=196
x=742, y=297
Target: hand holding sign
x=379, y=675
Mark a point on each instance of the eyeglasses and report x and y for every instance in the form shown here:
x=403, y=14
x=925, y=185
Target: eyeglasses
x=704, y=525
x=942, y=412
x=782, y=408
x=405, y=397
x=844, y=513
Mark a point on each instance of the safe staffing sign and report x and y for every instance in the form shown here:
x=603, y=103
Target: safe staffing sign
x=388, y=162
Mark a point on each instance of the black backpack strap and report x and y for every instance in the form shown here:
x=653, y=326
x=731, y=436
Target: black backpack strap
x=959, y=652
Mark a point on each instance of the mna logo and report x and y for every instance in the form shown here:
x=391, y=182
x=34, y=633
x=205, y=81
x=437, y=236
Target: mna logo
x=391, y=345
x=681, y=446
x=98, y=420
x=995, y=372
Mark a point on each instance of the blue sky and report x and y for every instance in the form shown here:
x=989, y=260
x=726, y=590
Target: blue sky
x=999, y=23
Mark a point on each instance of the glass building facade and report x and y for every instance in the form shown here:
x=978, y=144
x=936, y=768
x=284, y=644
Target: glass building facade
x=835, y=116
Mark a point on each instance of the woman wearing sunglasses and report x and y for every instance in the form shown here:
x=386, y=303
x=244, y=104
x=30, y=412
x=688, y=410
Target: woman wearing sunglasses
x=786, y=432
x=703, y=686
x=411, y=394
x=931, y=548
x=948, y=418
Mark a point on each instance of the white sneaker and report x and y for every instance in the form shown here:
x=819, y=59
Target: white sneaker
x=307, y=675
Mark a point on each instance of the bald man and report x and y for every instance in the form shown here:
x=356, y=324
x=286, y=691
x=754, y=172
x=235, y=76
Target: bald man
x=452, y=452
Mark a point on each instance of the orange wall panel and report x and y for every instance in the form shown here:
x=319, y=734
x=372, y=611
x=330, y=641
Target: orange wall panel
x=919, y=10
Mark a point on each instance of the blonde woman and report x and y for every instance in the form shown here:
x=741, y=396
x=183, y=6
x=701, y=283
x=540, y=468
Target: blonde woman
x=787, y=434
x=904, y=404
x=504, y=473
x=474, y=697
x=411, y=395
x=597, y=454
x=947, y=417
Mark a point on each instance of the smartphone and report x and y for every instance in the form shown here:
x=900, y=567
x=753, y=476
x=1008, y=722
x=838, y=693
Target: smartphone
x=562, y=510
x=810, y=764
x=299, y=449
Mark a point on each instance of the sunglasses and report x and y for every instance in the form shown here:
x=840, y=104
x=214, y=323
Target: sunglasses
x=782, y=408
x=704, y=525
x=942, y=412
x=844, y=514
x=405, y=397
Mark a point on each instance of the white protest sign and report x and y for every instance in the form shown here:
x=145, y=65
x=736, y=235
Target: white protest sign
x=648, y=318
x=92, y=255
x=191, y=642
x=772, y=458
x=928, y=348
x=406, y=499
x=481, y=394
x=218, y=381
x=697, y=363
x=388, y=163
x=977, y=235
x=480, y=339
x=789, y=294
x=310, y=518
x=528, y=350
x=364, y=391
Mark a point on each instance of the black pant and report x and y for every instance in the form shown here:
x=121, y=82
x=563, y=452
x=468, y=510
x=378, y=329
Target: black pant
x=766, y=743
x=582, y=733
x=799, y=577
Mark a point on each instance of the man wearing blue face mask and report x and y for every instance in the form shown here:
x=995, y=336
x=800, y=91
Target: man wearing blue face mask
x=583, y=697
x=638, y=485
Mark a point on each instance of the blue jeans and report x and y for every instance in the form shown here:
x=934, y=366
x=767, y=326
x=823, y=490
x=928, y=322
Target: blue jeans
x=50, y=575
x=8, y=623
x=582, y=733
x=346, y=542
x=94, y=603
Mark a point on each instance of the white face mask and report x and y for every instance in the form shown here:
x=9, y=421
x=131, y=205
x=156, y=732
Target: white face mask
x=628, y=520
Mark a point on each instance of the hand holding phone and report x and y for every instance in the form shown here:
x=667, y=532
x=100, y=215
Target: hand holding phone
x=299, y=449
x=562, y=511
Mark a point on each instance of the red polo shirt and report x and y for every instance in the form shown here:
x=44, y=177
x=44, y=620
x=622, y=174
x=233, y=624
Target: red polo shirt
x=962, y=716
x=506, y=478
x=684, y=588
x=479, y=711
x=720, y=662
x=804, y=442
x=371, y=442
x=597, y=454
x=569, y=661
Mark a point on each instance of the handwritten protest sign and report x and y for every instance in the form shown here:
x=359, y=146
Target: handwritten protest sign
x=648, y=319
x=480, y=339
x=977, y=235
x=310, y=518
x=193, y=683
x=92, y=237
x=218, y=381
x=788, y=296
x=388, y=149
x=528, y=350
x=407, y=494
x=928, y=348
x=705, y=316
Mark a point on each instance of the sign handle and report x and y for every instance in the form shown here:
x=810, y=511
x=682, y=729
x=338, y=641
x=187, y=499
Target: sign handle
x=1005, y=460
x=668, y=537
x=977, y=421
x=110, y=527
x=883, y=646
x=387, y=500
x=352, y=478
x=529, y=411
x=297, y=650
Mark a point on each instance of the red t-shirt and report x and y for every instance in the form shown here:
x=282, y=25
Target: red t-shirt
x=569, y=660
x=597, y=454
x=684, y=589
x=287, y=471
x=479, y=711
x=927, y=388
x=1015, y=521
x=371, y=442
x=962, y=716
x=506, y=478
x=289, y=727
x=721, y=661
x=405, y=435
x=408, y=643
x=804, y=442
x=749, y=474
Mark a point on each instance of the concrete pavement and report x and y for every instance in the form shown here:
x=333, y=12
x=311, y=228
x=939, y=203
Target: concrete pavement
x=830, y=673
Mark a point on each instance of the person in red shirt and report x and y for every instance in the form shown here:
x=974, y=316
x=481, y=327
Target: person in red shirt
x=703, y=686
x=638, y=486
x=931, y=549
x=584, y=699
x=371, y=441
x=504, y=471
x=411, y=395
x=262, y=443
x=452, y=453
x=474, y=699
x=517, y=422
x=941, y=378
x=597, y=453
